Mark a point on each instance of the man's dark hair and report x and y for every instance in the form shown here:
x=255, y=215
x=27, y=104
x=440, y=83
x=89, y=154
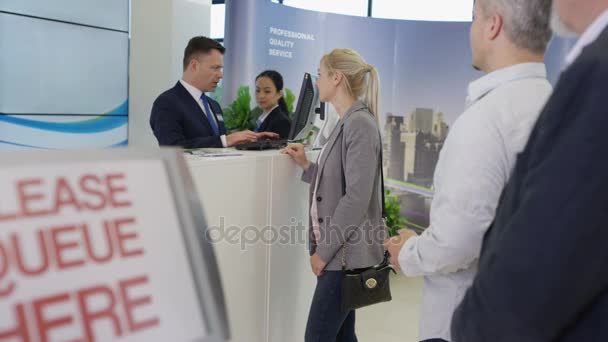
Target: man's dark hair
x=198, y=45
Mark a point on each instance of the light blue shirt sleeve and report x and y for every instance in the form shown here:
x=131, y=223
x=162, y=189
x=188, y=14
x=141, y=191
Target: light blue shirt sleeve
x=469, y=178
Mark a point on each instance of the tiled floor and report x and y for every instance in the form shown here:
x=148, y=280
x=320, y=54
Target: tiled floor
x=397, y=320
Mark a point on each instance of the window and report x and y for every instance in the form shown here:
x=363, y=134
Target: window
x=348, y=7
x=432, y=10
x=218, y=16
x=435, y=10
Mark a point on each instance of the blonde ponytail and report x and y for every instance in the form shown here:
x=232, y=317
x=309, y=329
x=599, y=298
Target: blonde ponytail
x=362, y=81
x=371, y=95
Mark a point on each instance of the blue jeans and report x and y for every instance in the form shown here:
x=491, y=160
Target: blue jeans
x=326, y=321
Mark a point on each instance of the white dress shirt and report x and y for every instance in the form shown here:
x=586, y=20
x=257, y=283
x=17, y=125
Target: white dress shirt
x=473, y=168
x=196, y=94
x=589, y=36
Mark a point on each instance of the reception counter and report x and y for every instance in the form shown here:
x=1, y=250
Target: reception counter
x=257, y=211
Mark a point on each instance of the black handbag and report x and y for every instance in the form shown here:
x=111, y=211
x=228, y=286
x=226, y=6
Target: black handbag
x=366, y=286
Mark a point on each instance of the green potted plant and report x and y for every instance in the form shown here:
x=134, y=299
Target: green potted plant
x=394, y=221
x=237, y=116
x=290, y=99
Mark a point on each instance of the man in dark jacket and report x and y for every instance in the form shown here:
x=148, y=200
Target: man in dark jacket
x=543, y=271
x=184, y=116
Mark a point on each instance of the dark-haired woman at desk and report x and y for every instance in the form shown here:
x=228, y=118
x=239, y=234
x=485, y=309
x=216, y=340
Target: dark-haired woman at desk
x=269, y=96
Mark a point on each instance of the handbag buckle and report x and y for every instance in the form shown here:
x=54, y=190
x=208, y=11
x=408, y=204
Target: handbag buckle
x=371, y=283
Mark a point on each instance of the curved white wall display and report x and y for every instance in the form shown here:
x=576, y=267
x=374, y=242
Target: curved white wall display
x=64, y=70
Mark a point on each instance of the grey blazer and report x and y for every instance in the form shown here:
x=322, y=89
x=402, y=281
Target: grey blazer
x=349, y=196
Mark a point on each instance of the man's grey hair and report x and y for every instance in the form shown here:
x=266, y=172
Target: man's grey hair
x=526, y=22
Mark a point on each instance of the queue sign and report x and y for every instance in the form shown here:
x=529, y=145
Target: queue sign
x=105, y=246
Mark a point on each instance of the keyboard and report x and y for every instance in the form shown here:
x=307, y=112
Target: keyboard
x=262, y=145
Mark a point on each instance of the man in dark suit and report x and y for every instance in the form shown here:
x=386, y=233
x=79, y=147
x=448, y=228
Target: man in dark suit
x=543, y=271
x=184, y=116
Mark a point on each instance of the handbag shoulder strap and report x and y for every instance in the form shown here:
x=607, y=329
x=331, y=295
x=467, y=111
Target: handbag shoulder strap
x=382, y=181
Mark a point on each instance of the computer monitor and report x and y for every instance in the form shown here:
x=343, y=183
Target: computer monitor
x=305, y=114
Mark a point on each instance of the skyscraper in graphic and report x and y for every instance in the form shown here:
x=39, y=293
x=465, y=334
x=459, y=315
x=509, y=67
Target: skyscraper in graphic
x=421, y=120
x=393, y=147
x=440, y=128
x=413, y=145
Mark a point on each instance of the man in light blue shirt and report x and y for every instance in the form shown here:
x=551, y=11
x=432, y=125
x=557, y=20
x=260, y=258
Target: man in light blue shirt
x=508, y=42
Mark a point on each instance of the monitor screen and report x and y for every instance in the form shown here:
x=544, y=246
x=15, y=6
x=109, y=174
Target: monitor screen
x=304, y=116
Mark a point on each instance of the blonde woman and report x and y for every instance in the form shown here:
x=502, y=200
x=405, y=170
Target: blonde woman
x=345, y=196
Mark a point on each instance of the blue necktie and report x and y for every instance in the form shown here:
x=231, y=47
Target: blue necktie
x=210, y=115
